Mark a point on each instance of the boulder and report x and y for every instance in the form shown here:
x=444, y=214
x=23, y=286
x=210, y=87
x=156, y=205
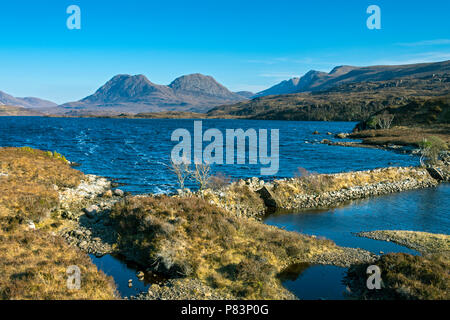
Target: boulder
x=108, y=194
x=119, y=193
x=268, y=198
x=91, y=211
x=342, y=135
x=436, y=173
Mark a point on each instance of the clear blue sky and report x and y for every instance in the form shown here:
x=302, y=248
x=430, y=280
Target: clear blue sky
x=245, y=44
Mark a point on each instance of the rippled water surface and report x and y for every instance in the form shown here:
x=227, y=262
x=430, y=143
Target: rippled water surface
x=134, y=150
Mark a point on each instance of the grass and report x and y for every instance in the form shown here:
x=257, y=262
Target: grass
x=33, y=263
x=402, y=135
x=406, y=277
x=189, y=237
x=424, y=242
x=29, y=188
x=319, y=183
x=239, y=198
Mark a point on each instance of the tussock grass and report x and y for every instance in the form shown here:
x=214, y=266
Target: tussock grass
x=28, y=188
x=320, y=183
x=406, y=277
x=405, y=136
x=189, y=237
x=33, y=263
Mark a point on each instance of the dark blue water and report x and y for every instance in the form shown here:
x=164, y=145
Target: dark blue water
x=417, y=210
x=134, y=150
x=122, y=273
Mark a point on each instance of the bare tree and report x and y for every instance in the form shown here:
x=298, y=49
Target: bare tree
x=384, y=120
x=182, y=171
x=202, y=174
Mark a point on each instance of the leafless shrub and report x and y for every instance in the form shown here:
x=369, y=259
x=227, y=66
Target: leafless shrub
x=202, y=174
x=384, y=120
x=182, y=171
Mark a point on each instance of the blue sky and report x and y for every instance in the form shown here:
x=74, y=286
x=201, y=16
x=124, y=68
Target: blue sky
x=245, y=45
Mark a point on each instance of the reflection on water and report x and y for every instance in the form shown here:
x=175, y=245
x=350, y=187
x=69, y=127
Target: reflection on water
x=315, y=282
x=122, y=272
x=417, y=210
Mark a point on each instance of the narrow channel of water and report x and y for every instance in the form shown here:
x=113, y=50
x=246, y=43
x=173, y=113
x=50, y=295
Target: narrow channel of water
x=417, y=210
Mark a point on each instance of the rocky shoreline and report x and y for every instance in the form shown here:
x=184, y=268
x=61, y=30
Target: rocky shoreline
x=289, y=195
x=86, y=209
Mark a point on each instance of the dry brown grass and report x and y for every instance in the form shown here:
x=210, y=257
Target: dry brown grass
x=28, y=190
x=320, y=183
x=190, y=237
x=406, y=277
x=33, y=263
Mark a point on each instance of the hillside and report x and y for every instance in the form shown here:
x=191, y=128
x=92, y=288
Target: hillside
x=341, y=75
x=27, y=102
x=7, y=111
x=346, y=102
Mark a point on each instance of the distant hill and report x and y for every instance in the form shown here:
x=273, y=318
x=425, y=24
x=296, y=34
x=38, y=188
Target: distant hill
x=344, y=102
x=245, y=94
x=17, y=111
x=320, y=81
x=137, y=94
x=28, y=102
x=418, y=111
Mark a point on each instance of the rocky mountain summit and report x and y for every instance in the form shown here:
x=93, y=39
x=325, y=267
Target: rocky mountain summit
x=134, y=94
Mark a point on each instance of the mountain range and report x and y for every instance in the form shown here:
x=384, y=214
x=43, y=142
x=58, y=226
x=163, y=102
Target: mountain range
x=320, y=81
x=133, y=94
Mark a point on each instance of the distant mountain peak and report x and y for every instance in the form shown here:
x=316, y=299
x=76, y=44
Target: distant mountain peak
x=198, y=83
x=27, y=102
x=136, y=93
x=125, y=87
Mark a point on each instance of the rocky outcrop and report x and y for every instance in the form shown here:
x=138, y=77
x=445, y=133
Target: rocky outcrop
x=299, y=193
x=408, y=179
x=182, y=289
